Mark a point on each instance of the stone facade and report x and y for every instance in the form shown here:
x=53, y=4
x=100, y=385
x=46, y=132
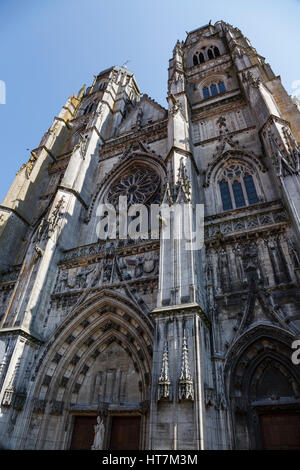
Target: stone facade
x=195, y=343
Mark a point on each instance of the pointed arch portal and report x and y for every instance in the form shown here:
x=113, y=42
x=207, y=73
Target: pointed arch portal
x=98, y=363
x=263, y=390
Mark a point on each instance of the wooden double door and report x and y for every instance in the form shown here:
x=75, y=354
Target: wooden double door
x=124, y=433
x=280, y=430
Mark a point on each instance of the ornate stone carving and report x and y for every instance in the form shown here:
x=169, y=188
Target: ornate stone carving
x=285, y=153
x=57, y=407
x=48, y=226
x=176, y=106
x=183, y=186
x=99, y=430
x=139, y=118
x=186, y=385
x=140, y=266
x=29, y=165
x=39, y=405
x=139, y=186
x=164, y=383
x=14, y=398
x=8, y=397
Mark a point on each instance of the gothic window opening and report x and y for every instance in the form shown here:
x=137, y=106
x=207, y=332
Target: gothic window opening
x=250, y=188
x=210, y=54
x=237, y=187
x=238, y=194
x=216, y=51
x=206, y=92
x=213, y=52
x=222, y=87
x=225, y=194
x=214, y=89
x=140, y=186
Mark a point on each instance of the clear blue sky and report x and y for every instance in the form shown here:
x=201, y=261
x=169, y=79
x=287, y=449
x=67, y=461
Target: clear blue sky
x=50, y=48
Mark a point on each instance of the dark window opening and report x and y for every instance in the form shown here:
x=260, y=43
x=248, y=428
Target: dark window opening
x=216, y=51
x=238, y=194
x=225, y=194
x=250, y=188
x=210, y=54
x=206, y=93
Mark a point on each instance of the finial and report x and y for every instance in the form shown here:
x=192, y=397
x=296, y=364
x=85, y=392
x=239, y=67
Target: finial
x=186, y=386
x=164, y=381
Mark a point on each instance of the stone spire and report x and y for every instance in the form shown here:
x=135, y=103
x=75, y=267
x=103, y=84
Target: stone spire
x=186, y=386
x=164, y=383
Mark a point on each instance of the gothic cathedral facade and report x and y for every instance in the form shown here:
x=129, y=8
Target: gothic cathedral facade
x=171, y=348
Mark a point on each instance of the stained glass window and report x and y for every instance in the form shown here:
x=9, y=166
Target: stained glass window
x=213, y=89
x=206, y=93
x=238, y=194
x=250, y=188
x=222, y=87
x=225, y=194
x=237, y=181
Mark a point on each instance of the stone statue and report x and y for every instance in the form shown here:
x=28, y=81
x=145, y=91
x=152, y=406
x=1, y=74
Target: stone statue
x=99, y=435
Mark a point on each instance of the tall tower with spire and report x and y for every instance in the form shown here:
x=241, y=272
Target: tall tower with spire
x=173, y=348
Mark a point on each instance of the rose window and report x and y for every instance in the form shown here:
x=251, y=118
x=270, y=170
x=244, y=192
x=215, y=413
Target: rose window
x=140, y=187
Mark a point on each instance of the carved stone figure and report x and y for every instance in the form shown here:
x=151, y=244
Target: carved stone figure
x=99, y=434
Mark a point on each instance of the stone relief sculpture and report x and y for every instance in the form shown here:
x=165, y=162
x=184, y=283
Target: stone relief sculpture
x=47, y=226
x=141, y=266
x=99, y=435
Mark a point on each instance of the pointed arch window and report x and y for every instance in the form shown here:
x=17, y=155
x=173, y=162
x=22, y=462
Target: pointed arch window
x=206, y=93
x=221, y=87
x=210, y=54
x=225, y=194
x=216, y=51
x=250, y=188
x=237, y=187
x=238, y=194
x=214, y=89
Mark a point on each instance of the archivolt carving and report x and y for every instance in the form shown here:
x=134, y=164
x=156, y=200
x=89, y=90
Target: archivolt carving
x=77, y=344
x=246, y=353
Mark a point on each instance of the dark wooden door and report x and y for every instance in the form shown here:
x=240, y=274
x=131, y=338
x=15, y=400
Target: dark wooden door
x=280, y=430
x=125, y=433
x=83, y=432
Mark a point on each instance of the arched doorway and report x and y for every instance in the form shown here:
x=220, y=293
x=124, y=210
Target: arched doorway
x=98, y=363
x=264, y=391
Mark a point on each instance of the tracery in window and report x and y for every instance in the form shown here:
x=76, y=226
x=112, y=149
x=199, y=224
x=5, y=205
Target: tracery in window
x=214, y=89
x=208, y=54
x=141, y=186
x=237, y=187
